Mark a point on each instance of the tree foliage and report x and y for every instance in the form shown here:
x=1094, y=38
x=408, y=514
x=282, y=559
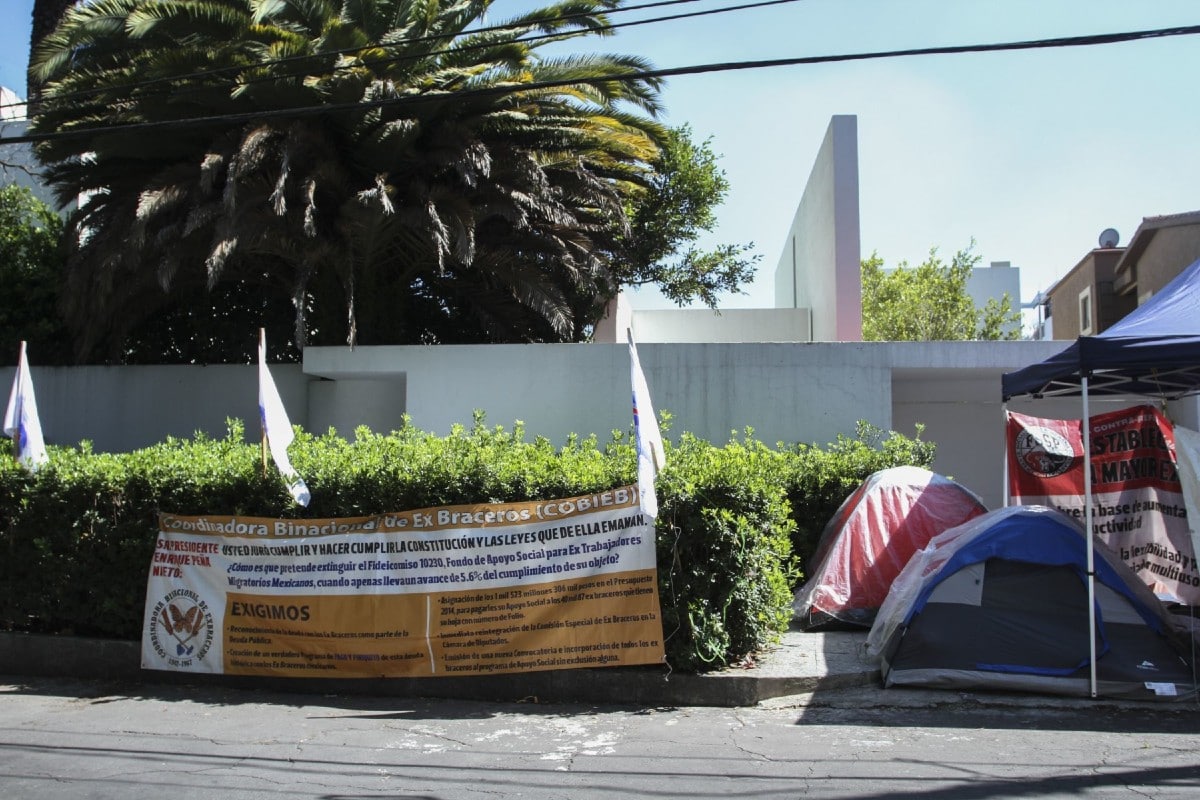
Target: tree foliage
x=670, y=214
x=217, y=326
x=391, y=169
x=45, y=17
x=31, y=261
x=79, y=534
x=929, y=302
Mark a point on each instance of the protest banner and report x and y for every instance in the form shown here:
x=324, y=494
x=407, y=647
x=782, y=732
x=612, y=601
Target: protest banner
x=457, y=590
x=1138, y=508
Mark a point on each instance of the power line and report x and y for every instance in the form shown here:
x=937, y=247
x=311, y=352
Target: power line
x=308, y=57
x=1036, y=44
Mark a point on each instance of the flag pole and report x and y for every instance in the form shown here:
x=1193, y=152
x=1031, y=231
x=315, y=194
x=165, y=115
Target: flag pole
x=262, y=428
x=276, y=429
x=15, y=446
x=650, y=454
x=1007, y=496
x=1091, y=550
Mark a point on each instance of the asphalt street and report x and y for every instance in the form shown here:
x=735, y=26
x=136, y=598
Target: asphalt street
x=68, y=738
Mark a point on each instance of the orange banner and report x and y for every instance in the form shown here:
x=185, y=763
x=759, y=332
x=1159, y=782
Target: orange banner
x=495, y=588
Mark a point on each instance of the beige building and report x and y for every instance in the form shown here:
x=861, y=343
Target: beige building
x=1161, y=248
x=1084, y=301
x=1111, y=281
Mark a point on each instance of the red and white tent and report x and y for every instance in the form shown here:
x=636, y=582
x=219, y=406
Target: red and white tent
x=874, y=533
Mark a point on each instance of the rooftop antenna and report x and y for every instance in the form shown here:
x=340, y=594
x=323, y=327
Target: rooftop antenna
x=1109, y=238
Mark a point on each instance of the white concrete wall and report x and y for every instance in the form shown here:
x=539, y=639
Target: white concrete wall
x=793, y=393
x=618, y=317
x=125, y=408
x=820, y=266
x=702, y=325
x=785, y=392
x=344, y=405
x=738, y=325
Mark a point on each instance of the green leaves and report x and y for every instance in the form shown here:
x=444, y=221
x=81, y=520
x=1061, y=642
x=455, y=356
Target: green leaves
x=724, y=552
x=443, y=194
x=929, y=302
x=670, y=214
x=31, y=264
x=819, y=479
x=78, y=535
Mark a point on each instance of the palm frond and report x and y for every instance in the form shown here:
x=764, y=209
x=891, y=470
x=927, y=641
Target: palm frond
x=186, y=19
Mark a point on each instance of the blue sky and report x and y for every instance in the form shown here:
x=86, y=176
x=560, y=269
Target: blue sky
x=1031, y=154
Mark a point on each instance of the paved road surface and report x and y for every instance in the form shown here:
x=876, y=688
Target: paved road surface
x=66, y=739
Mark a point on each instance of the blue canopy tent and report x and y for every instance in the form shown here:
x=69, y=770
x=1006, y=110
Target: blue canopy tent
x=1153, y=352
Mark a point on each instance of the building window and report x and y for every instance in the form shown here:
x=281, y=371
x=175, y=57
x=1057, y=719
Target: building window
x=1085, y=312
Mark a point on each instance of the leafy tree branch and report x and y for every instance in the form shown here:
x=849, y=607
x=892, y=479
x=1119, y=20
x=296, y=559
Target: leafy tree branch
x=930, y=302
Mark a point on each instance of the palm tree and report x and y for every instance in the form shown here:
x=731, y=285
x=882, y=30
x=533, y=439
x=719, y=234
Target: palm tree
x=450, y=182
x=46, y=16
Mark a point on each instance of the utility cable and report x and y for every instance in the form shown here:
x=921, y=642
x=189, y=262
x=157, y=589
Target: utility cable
x=308, y=57
x=1036, y=44
x=175, y=90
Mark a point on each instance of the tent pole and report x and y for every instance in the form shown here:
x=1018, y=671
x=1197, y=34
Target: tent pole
x=1004, y=450
x=1091, y=555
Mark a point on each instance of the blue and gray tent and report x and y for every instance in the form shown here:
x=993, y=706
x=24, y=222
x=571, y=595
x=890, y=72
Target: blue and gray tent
x=1001, y=602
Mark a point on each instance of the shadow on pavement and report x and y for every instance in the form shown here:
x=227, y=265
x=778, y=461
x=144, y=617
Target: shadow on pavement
x=321, y=705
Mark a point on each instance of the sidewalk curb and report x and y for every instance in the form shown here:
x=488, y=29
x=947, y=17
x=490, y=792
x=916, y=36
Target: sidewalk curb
x=24, y=654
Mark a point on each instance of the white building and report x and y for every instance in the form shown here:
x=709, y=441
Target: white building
x=818, y=283
x=995, y=281
x=818, y=276
x=17, y=162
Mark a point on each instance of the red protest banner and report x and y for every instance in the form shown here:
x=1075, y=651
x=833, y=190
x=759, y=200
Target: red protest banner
x=1137, y=501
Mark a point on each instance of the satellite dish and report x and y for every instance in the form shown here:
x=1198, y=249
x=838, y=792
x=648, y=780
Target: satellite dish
x=1109, y=238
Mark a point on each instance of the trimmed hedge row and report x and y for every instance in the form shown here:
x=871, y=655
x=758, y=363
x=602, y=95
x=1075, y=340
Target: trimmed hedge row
x=735, y=521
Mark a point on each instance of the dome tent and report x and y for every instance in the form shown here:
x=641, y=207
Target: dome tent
x=1001, y=602
x=875, y=531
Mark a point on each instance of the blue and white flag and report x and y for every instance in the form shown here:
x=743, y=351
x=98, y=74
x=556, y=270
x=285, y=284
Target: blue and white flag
x=276, y=428
x=650, y=453
x=21, y=418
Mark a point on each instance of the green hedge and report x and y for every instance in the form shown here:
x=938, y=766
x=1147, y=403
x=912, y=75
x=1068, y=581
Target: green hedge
x=735, y=520
x=819, y=479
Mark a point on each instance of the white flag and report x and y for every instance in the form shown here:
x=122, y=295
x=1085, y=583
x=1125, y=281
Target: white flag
x=275, y=426
x=21, y=418
x=650, y=453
